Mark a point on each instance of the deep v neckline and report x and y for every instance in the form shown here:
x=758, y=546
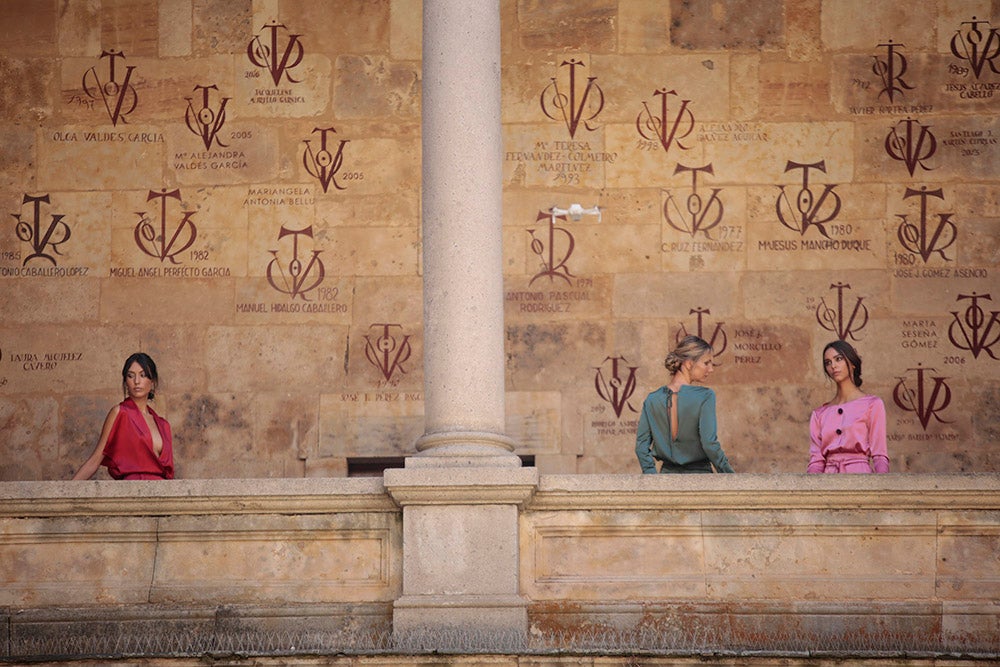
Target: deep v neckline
x=150, y=425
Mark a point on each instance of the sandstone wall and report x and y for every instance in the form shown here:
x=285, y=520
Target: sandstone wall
x=234, y=187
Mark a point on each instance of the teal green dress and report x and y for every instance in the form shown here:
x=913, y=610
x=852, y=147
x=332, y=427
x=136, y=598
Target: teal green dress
x=696, y=448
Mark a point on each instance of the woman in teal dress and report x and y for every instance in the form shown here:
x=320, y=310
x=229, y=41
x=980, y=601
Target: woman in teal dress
x=677, y=426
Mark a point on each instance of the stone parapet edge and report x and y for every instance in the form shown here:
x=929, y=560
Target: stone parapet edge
x=187, y=497
x=975, y=491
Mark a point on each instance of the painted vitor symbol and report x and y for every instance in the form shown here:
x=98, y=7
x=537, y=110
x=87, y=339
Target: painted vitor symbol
x=972, y=331
x=295, y=278
x=263, y=53
x=322, y=164
x=718, y=340
x=119, y=97
x=914, y=396
x=206, y=122
x=698, y=214
x=977, y=46
x=167, y=241
x=616, y=388
x=386, y=352
x=890, y=70
x=809, y=210
x=40, y=236
x=553, y=260
x=662, y=128
x=571, y=106
x=836, y=320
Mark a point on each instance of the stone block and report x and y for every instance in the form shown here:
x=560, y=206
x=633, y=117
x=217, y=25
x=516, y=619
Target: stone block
x=476, y=541
x=532, y=348
x=187, y=301
x=643, y=26
x=131, y=25
x=29, y=28
x=547, y=156
x=372, y=85
x=378, y=209
x=358, y=26
x=176, y=24
x=731, y=24
x=556, y=464
x=583, y=556
x=79, y=30
x=652, y=296
x=841, y=29
x=118, y=159
x=847, y=556
x=560, y=25
x=803, y=19
x=224, y=26
x=967, y=563
x=265, y=357
x=325, y=467
x=31, y=434
x=534, y=421
x=404, y=41
x=376, y=422
x=794, y=90
x=347, y=557
x=84, y=560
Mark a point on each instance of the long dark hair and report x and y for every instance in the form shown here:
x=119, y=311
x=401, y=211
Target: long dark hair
x=148, y=367
x=848, y=352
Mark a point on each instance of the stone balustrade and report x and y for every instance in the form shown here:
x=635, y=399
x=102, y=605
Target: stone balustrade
x=762, y=562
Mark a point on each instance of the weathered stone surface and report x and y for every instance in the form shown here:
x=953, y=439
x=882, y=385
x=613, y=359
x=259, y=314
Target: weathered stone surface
x=28, y=97
x=842, y=29
x=130, y=26
x=377, y=422
x=729, y=24
x=264, y=358
x=224, y=26
x=29, y=28
x=643, y=26
x=370, y=86
x=780, y=192
x=30, y=428
x=587, y=26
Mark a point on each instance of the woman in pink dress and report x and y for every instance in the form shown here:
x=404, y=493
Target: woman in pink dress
x=848, y=433
x=135, y=442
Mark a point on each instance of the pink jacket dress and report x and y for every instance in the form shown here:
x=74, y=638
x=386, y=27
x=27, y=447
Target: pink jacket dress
x=849, y=437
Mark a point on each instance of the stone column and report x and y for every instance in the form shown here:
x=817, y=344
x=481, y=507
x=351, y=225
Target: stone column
x=460, y=495
x=462, y=236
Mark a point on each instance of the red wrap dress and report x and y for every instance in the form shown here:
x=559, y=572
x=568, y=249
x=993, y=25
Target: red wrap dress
x=129, y=453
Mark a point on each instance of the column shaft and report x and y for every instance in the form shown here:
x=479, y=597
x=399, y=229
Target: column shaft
x=462, y=230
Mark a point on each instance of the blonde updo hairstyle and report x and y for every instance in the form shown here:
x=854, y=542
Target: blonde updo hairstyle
x=690, y=348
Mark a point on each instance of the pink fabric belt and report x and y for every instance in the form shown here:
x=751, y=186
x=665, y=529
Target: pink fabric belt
x=848, y=463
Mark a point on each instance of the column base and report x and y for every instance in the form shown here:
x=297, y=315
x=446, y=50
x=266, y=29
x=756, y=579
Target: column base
x=462, y=449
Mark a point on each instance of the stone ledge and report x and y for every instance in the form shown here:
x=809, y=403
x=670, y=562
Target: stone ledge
x=193, y=496
x=461, y=486
x=979, y=491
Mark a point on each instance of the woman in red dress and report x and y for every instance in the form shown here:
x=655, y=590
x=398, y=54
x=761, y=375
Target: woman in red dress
x=135, y=442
